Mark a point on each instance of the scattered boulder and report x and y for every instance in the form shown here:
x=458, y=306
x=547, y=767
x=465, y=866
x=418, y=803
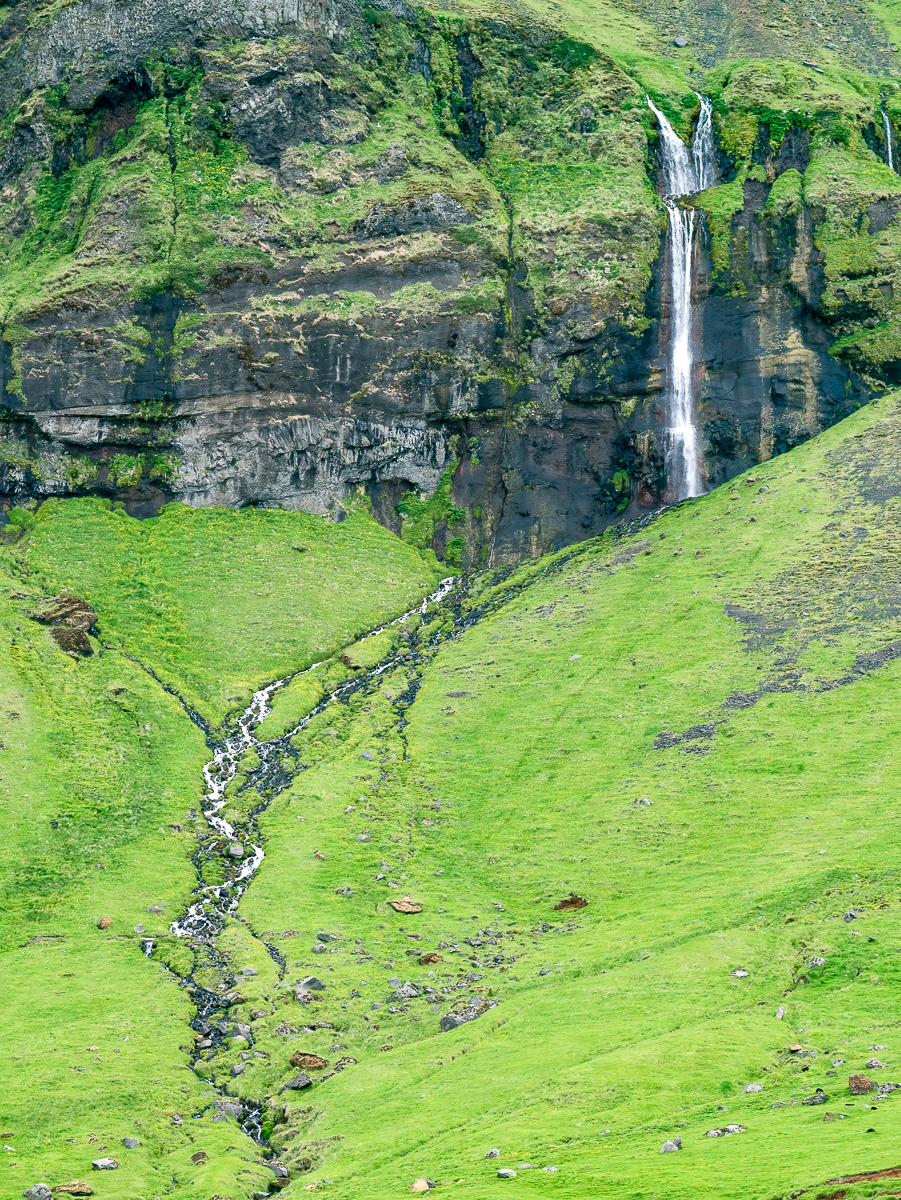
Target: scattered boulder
x=249, y=971
x=104, y=923
x=240, y=1029
x=130, y=1143
x=506, y=1173
x=726, y=1131
x=326, y=937
x=238, y=1069
x=40, y=1191
x=885, y=1088
x=428, y=960
x=859, y=1084
x=752, y=1087
x=70, y=619
x=817, y=962
x=571, y=903
x=299, y=1081
x=105, y=1164
x=200, y=1157
x=740, y=974
x=874, y=1064
x=681, y=42
x=470, y=1013
x=311, y=984
x=795, y=1048
x=77, y=1187
x=668, y=1147
x=493, y=1154
x=819, y=1097
x=405, y=905
x=780, y=1012
x=309, y=1062
x=419, y=1185
x=407, y=991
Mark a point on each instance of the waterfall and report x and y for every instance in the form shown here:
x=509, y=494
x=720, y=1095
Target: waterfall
x=887, y=131
x=686, y=171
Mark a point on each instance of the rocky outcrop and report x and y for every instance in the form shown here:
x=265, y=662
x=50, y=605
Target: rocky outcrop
x=372, y=254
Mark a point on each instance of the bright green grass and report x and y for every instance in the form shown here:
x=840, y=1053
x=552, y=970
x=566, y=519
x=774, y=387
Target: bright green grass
x=99, y=771
x=745, y=860
x=218, y=601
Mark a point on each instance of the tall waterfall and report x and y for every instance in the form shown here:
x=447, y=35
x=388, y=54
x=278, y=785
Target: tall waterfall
x=687, y=170
x=887, y=131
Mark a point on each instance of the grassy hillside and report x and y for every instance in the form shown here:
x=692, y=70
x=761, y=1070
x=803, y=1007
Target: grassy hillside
x=690, y=725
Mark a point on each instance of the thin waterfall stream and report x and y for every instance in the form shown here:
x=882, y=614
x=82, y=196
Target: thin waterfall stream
x=887, y=132
x=687, y=170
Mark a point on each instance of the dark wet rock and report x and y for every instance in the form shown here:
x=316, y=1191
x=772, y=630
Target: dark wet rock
x=130, y=1143
x=301, y=1080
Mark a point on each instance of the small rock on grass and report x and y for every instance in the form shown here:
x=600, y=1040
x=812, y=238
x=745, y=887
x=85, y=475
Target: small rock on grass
x=752, y=1087
x=819, y=1097
x=76, y=1188
x=130, y=1143
x=668, y=1147
x=506, y=1173
x=421, y=1185
x=104, y=923
x=40, y=1191
x=105, y=1164
x=493, y=1154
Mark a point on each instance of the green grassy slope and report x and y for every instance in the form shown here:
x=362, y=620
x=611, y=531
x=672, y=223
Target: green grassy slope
x=752, y=611
x=731, y=661
x=100, y=776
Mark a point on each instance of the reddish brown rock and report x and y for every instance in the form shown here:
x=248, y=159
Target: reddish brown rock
x=309, y=1062
x=104, y=923
x=859, y=1085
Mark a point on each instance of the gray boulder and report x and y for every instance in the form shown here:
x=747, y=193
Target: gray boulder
x=752, y=1087
x=299, y=1081
x=130, y=1143
x=311, y=984
x=493, y=1154
x=105, y=1164
x=40, y=1191
x=506, y=1173
x=667, y=1147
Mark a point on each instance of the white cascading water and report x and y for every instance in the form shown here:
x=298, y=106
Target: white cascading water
x=887, y=131
x=686, y=171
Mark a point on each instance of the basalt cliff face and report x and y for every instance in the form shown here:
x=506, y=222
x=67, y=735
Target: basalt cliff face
x=282, y=253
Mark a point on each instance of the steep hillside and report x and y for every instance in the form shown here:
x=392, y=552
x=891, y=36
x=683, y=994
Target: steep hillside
x=278, y=254
x=689, y=723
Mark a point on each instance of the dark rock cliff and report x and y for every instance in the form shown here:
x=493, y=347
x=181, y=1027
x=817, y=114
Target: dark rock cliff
x=281, y=253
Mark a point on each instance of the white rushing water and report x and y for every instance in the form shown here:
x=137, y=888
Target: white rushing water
x=887, y=131
x=213, y=901
x=687, y=170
